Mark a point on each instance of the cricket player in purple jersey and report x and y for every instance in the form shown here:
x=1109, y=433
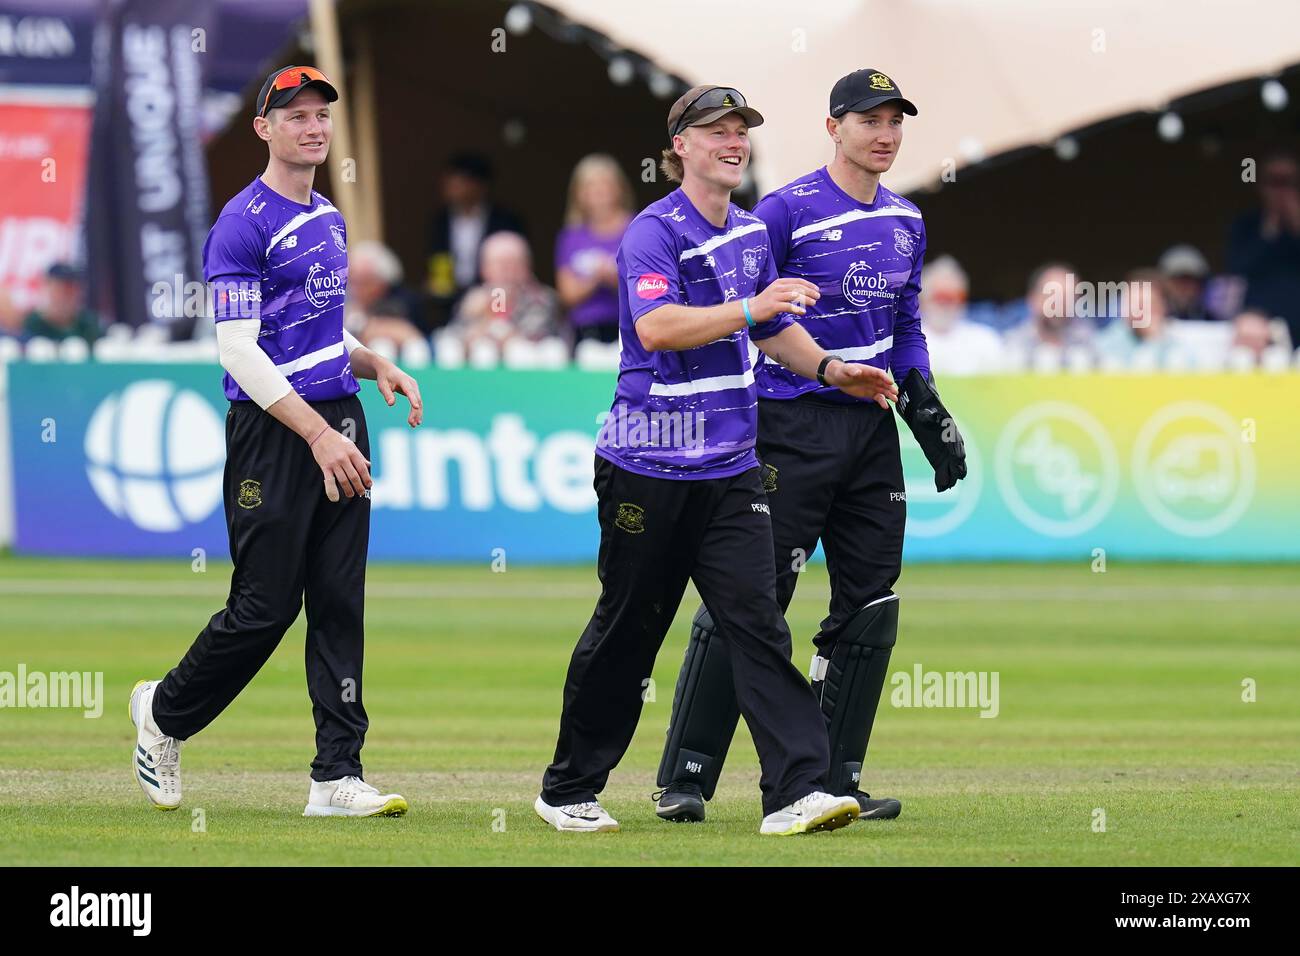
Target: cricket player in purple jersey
x=276, y=264
x=677, y=481
x=830, y=461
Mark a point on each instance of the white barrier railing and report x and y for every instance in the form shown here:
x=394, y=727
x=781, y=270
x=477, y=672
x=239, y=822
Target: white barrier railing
x=1197, y=350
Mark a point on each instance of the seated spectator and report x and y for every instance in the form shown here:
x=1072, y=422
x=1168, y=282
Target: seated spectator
x=1264, y=244
x=586, y=275
x=65, y=315
x=510, y=303
x=378, y=306
x=1053, y=320
x=1251, y=330
x=11, y=318
x=1140, y=335
x=468, y=216
x=957, y=345
x=1184, y=272
x=1255, y=332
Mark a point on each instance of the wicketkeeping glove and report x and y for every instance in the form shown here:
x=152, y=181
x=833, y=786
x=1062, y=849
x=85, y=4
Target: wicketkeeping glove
x=935, y=431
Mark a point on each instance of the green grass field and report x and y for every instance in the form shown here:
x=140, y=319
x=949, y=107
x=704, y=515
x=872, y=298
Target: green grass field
x=1120, y=692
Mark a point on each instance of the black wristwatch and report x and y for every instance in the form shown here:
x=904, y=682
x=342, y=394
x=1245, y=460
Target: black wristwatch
x=821, y=369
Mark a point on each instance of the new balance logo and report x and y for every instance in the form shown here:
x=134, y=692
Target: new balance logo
x=833, y=235
x=289, y=243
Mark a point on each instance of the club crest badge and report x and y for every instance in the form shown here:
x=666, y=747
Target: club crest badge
x=749, y=261
x=630, y=518
x=878, y=81
x=337, y=233
x=250, y=494
x=769, y=478
x=904, y=242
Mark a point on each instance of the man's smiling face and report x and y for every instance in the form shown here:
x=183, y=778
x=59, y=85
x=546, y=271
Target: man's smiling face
x=717, y=152
x=299, y=132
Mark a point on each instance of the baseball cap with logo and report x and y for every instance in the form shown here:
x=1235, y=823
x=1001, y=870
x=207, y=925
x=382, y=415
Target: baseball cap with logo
x=701, y=105
x=865, y=89
x=287, y=82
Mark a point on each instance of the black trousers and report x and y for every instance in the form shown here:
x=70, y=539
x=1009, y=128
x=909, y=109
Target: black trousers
x=288, y=542
x=833, y=474
x=656, y=534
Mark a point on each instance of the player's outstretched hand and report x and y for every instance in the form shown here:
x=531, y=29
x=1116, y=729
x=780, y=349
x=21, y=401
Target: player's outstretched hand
x=392, y=381
x=784, y=295
x=863, y=381
x=342, y=465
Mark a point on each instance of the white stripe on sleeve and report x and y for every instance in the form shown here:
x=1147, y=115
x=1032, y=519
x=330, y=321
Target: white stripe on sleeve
x=718, y=383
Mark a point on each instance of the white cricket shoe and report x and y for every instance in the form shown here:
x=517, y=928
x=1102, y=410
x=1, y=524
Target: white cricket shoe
x=156, y=759
x=589, y=817
x=352, y=797
x=817, y=811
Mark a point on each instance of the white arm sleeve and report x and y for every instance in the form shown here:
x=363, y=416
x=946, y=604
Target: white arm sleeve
x=250, y=367
x=350, y=342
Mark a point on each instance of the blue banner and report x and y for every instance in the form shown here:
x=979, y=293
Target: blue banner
x=127, y=460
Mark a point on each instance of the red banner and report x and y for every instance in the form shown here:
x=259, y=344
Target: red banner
x=43, y=154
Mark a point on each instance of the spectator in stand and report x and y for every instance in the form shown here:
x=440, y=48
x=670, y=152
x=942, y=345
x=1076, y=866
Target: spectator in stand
x=510, y=303
x=1264, y=244
x=1053, y=321
x=456, y=235
x=957, y=345
x=586, y=276
x=1253, y=331
x=11, y=319
x=65, y=315
x=1140, y=335
x=1184, y=272
x=378, y=306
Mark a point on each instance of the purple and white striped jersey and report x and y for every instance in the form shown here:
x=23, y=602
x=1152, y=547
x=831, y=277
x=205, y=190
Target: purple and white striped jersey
x=866, y=259
x=285, y=263
x=693, y=413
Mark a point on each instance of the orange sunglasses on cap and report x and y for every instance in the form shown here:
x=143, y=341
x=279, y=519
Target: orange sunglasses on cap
x=284, y=84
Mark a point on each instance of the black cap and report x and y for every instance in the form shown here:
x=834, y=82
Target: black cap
x=268, y=98
x=864, y=89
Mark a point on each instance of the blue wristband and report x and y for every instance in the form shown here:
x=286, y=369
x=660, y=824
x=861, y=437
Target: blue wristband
x=744, y=305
